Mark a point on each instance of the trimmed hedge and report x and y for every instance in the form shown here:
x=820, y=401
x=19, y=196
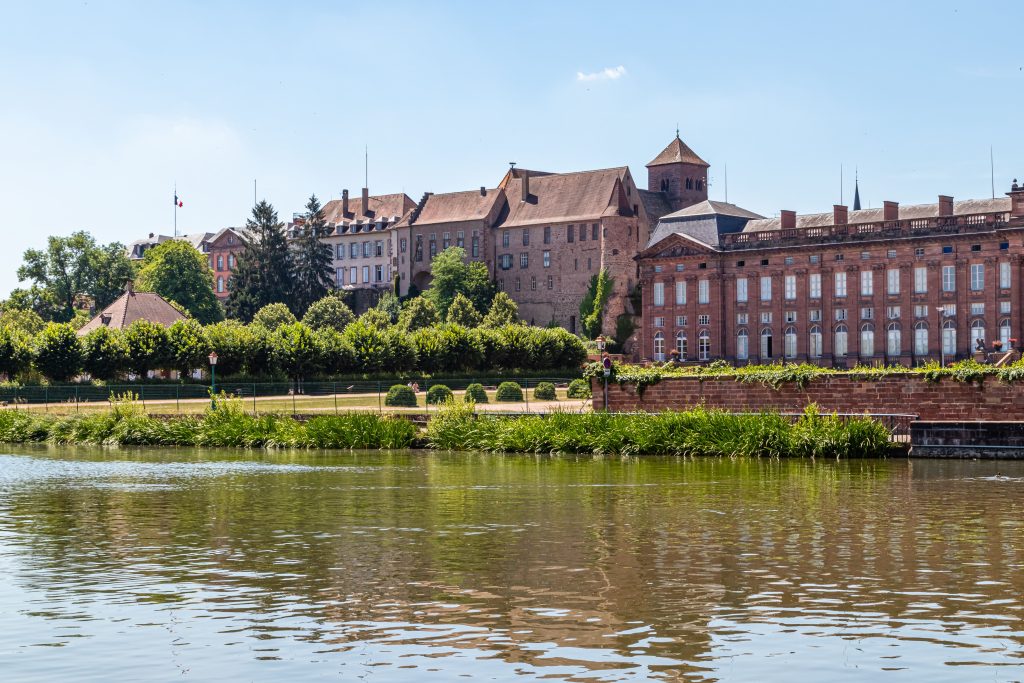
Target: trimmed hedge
x=545, y=391
x=509, y=392
x=475, y=392
x=438, y=393
x=579, y=388
x=400, y=395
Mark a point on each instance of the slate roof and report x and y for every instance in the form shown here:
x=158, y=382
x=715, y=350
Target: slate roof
x=378, y=206
x=700, y=222
x=563, y=197
x=909, y=212
x=655, y=204
x=709, y=207
x=677, y=152
x=132, y=306
x=454, y=207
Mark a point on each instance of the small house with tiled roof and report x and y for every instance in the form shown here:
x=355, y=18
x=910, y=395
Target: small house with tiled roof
x=132, y=306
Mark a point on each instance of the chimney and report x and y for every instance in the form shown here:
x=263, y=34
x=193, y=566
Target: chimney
x=1016, y=195
x=526, y=186
x=890, y=211
x=150, y=235
x=840, y=214
x=483, y=191
x=366, y=201
x=787, y=219
x=945, y=205
x=344, y=202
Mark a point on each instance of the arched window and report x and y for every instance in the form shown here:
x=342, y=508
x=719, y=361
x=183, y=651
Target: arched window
x=742, y=345
x=977, y=332
x=704, y=345
x=867, y=340
x=664, y=184
x=220, y=285
x=681, y=345
x=766, y=343
x=689, y=183
x=949, y=338
x=814, y=339
x=921, y=339
x=659, y=346
x=1004, y=333
x=893, y=339
x=840, y=346
x=789, y=342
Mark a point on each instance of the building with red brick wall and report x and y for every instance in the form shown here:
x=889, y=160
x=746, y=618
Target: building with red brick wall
x=890, y=285
x=223, y=249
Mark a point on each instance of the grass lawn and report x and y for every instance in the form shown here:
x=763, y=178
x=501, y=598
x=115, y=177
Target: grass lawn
x=311, y=404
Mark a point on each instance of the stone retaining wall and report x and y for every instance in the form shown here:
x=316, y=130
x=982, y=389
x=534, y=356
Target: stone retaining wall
x=893, y=394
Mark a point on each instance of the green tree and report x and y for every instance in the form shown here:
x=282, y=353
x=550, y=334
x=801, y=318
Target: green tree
x=376, y=318
x=15, y=351
x=23, y=319
x=58, y=352
x=337, y=355
x=187, y=346
x=232, y=341
x=71, y=267
x=313, y=262
x=263, y=273
x=418, y=313
x=178, y=272
x=296, y=351
x=451, y=275
x=389, y=305
x=592, y=306
x=145, y=347
x=103, y=353
x=503, y=311
x=328, y=312
x=273, y=316
x=462, y=312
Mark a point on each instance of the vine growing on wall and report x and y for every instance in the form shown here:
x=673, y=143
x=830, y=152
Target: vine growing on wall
x=593, y=303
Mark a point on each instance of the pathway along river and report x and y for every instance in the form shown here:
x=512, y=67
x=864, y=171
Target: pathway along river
x=178, y=565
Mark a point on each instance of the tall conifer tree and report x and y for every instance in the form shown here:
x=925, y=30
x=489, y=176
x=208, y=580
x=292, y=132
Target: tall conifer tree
x=264, y=272
x=313, y=262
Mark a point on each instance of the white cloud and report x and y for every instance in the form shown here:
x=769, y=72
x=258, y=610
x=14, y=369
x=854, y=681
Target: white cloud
x=606, y=74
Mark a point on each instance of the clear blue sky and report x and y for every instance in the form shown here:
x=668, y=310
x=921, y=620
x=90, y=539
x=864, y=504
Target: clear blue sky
x=105, y=105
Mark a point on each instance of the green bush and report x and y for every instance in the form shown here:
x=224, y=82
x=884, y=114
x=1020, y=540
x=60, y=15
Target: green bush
x=400, y=395
x=475, y=393
x=545, y=391
x=438, y=393
x=579, y=388
x=509, y=392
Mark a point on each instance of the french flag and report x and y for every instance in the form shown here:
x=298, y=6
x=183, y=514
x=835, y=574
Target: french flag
x=178, y=202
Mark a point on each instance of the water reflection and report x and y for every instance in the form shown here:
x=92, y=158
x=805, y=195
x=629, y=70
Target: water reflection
x=164, y=565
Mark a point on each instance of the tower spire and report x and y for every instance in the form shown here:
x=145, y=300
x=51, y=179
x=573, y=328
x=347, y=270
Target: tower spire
x=856, y=190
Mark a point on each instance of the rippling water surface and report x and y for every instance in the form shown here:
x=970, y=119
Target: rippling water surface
x=210, y=565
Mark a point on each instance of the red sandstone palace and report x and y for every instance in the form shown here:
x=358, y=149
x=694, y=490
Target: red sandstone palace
x=894, y=285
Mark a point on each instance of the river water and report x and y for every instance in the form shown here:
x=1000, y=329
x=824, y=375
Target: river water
x=189, y=565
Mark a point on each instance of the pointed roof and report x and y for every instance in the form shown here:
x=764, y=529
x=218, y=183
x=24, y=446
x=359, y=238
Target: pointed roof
x=710, y=207
x=132, y=306
x=856, y=195
x=677, y=152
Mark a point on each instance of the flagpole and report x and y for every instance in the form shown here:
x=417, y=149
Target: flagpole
x=175, y=209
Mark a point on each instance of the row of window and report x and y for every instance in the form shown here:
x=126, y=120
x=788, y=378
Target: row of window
x=220, y=262
x=446, y=241
x=349, y=276
x=518, y=283
x=840, y=346
x=572, y=231
x=368, y=249
x=867, y=284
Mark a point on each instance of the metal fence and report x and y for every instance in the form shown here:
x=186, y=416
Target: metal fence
x=259, y=397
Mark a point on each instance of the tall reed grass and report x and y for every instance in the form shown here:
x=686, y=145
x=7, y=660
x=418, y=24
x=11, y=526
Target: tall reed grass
x=695, y=432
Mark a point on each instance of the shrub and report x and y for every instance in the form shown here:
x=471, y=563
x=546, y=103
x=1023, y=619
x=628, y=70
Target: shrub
x=58, y=352
x=475, y=393
x=509, y=392
x=438, y=393
x=273, y=316
x=103, y=353
x=579, y=388
x=545, y=391
x=400, y=395
x=329, y=312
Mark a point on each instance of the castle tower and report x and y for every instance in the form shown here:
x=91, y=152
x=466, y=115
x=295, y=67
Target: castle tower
x=679, y=174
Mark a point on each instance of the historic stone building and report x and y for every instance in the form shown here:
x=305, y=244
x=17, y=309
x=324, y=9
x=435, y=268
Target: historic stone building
x=223, y=249
x=896, y=284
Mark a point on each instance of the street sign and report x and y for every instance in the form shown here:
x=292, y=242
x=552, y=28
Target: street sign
x=607, y=366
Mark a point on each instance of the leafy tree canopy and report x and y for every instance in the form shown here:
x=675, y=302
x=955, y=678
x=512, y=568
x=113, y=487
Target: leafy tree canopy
x=178, y=272
x=273, y=316
x=452, y=275
x=329, y=311
x=462, y=312
x=418, y=313
x=58, y=352
x=503, y=311
x=71, y=268
x=22, y=319
x=103, y=353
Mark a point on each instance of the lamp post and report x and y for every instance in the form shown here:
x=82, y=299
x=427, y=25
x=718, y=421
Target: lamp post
x=941, y=310
x=606, y=361
x=213, y=380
